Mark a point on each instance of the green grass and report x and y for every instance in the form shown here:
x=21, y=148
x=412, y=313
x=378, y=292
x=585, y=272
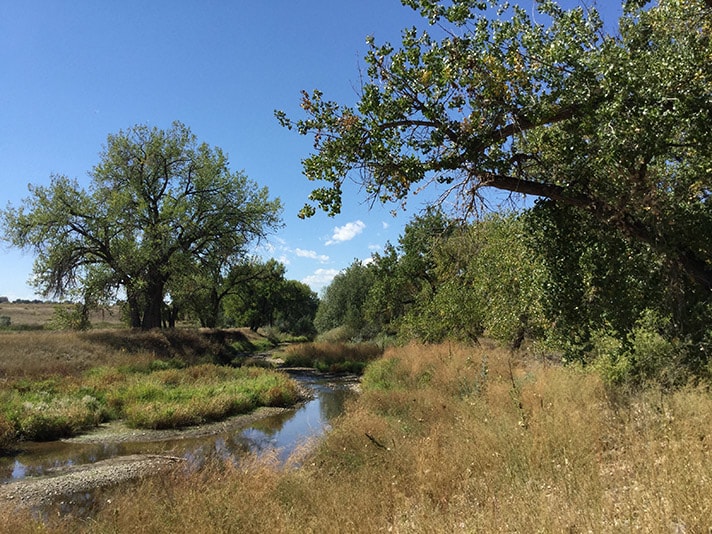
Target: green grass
x=58, y=384
x=175, y=398
x=167, y=398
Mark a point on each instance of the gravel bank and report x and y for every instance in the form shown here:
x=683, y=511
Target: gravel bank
x=37, y=492
x=43, y=491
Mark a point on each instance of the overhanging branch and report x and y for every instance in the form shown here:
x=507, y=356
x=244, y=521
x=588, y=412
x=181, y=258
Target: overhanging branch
x=690, y=263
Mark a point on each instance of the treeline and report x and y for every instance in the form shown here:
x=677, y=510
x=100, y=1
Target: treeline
x=548, y=276
x=253, y=293
x=6, y=300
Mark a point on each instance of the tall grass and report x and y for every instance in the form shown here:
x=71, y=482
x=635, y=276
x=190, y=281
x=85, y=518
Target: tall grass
x=46, y=353
x=175, y=398
x=333, y=357
x=459, y=439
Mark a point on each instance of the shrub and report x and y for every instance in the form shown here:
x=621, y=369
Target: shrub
x=70, y=318
x=382, y=375
x=645, y=357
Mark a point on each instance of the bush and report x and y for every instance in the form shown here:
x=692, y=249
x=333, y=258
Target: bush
x=70, y=318
x=340, y=334
x=645, y=357
x=5, y=321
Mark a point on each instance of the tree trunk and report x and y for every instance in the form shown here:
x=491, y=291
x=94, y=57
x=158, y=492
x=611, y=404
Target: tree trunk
x=213, y=311
x=134, y=310
x=153, y=307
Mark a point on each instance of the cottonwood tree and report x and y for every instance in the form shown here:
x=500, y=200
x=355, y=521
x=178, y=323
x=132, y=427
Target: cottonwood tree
x=158, y=207
x=616, y=126
x=404, y=274
x=263, y=297
x=297, y=308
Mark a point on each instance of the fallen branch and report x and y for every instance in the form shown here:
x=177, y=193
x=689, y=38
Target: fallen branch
x=376, y=442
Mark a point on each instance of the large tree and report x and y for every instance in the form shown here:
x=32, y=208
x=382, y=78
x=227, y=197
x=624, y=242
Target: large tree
x=343, y=302
x=614, y=125
x=159, y=207
x=405, y=273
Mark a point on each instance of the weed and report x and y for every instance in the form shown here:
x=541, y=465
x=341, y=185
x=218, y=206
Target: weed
x=7, y=433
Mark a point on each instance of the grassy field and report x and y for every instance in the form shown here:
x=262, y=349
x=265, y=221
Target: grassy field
x=34, y=315
x=456, y=439
x=56, y=384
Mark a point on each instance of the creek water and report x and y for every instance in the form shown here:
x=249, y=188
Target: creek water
x=283, y=433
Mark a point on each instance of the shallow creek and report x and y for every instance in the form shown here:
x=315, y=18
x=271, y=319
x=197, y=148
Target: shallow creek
x=280, y=433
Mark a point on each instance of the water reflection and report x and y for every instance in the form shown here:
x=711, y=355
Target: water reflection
x=283, y=433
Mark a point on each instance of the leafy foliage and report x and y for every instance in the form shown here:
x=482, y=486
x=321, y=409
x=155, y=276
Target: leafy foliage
x=160, y=208
x=264, y=297
x=610, y=133
x=343, y=301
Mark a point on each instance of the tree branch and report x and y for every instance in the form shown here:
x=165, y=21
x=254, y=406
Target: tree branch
x=690, y=263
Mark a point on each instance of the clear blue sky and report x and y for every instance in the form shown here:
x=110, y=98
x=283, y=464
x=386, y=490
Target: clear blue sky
x=72, y=72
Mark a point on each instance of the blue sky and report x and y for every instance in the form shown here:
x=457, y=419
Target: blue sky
x=72, y=72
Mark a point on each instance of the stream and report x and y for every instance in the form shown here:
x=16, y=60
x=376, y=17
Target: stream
x=281, y=434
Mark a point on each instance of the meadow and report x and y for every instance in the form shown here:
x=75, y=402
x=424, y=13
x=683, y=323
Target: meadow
x=454, y=438
x=39, y=315
x=56, y=384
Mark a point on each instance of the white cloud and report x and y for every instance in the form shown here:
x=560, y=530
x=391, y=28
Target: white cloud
x=375, y=248
x=311, y=254
x=320, y=278
x=385, y=225
x=346, y=232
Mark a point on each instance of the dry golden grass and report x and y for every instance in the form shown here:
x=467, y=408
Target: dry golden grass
x=44, y=353
x=36, y=314
x=458, y=439
x=332, y=356
x=37, y=354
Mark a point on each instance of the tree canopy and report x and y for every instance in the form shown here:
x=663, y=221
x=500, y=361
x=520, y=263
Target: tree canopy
x=616, y=126
x=161, y=208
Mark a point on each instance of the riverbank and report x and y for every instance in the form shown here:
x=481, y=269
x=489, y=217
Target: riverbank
x=63, y=482
x=455, y=439
x=56, y=385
